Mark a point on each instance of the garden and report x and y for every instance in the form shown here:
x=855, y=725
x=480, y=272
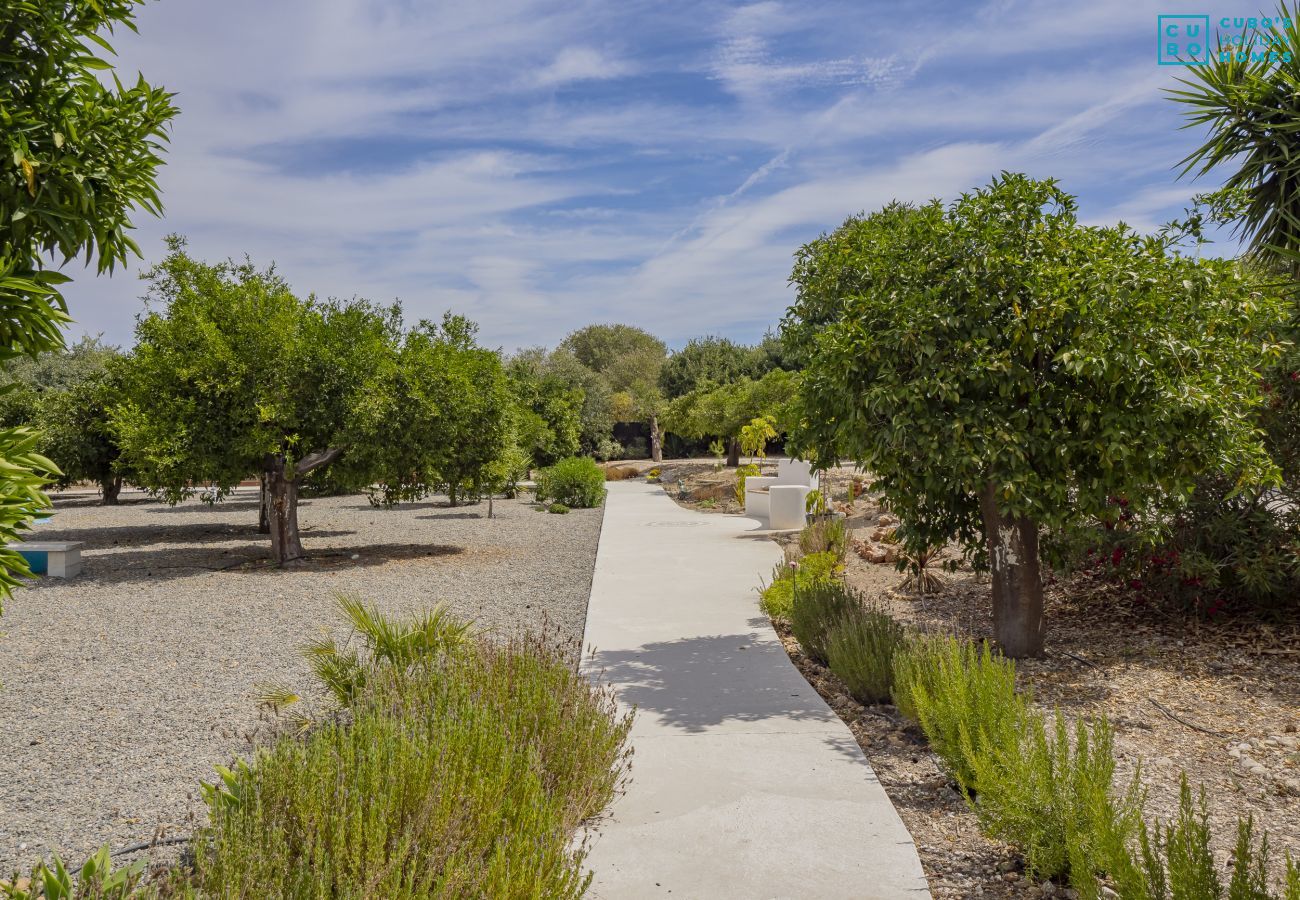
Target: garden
x=337, y=565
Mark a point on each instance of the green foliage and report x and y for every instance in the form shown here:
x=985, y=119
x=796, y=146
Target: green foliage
x=1249, y=107
x=78, y=433
x=755, y=435
x=964, y=698
x=466, y=772
x=723, y=411
x=23, y=472
x=449, y=416
x=861, y=648
x=708, y=362
x=81, y=153
x=96, y=880
x=815, y=608
x=576, y=482
x=777, y=599
x=629, y=359
x=1055, y=799
x=505, y=472
x=550, y=404
x=607, y=449
x=717, y=449
x=231, y=368
x=1004, y=343
x=344, y=669
x=557, y=508
x=742, y=473
x=825, y=535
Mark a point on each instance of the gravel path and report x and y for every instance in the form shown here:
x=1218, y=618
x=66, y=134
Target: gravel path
x=121, y=688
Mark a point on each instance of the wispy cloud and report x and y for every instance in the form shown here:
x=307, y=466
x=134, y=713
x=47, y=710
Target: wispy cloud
x=538, y=164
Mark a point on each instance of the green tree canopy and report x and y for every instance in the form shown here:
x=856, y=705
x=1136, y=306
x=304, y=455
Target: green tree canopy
x=549, y=405
x=233, y=375
x=1000, y=368
x=724, y=410
x=630, y=360
x=80, y=155
x=451, y=420
x=77, y=431
x=708, y=361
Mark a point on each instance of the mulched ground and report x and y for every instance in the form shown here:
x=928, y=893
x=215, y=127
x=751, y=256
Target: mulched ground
x=121, y=688
x=1219, y=701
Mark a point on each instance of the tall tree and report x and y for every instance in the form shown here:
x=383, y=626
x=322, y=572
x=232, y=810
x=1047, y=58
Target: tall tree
x=1001, y=369
x=549, y=407
x=630, y=360
x=1246, y=96
x=707, y=361
x=80, y=155
x=234, y=375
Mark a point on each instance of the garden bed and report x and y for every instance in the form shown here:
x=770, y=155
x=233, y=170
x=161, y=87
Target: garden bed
x=122, y=688
x=1182, y=695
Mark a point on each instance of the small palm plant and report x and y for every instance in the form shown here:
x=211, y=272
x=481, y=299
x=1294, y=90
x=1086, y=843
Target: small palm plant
x=344, y=670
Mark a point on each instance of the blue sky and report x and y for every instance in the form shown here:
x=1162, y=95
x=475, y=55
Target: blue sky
x=539, y=166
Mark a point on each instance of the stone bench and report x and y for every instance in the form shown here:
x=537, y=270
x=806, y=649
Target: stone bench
x=789, y=473
x=57, y=559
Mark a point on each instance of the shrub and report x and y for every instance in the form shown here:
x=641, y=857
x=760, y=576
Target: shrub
x=621, y=473
x=964, y=699
x=814, y=609
x=1055, y=799
x=825, y=535
x=743, y=472
x=1175, y=860
x=777, y=598
x=465, y=773
x=608, y=449
x=558, y=508
x=576, y=481
x=97, y=878
x=861, y=650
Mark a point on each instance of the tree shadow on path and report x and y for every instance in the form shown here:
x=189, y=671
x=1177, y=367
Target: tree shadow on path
x=697, y=683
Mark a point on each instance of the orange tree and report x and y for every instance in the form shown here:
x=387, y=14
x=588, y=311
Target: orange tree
x=1003, y=369
x=77, y=155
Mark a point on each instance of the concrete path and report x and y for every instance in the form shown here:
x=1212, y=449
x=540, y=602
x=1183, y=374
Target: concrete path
x=744, y=783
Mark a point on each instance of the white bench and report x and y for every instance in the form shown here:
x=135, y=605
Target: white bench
x=759, y=500
x=57, y=559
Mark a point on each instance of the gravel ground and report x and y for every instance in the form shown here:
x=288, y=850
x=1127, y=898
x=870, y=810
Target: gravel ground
x=120, y=689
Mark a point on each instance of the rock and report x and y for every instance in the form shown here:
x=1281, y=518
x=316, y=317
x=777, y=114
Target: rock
x=1108, y=893
x=1010, y=876
x=1070, y=894
x=1235, y=753
x=1047, y=889
x=1257, y=769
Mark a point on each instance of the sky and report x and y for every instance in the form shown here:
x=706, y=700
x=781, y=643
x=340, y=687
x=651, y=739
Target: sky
x=539, y=165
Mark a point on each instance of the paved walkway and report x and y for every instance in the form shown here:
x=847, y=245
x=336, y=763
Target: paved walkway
x=744, y=783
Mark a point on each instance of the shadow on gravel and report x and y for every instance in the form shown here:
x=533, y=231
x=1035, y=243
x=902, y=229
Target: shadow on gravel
x=457, y=515
x=125, y=566
x=696, y=683
x=144, y=535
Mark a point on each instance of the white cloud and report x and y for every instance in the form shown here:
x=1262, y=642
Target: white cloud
x=580, y=64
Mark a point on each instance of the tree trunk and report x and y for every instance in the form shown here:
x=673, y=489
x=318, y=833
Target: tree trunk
x=733, y=453
x=656, y=442
x=111, y=486
x=452, y=492
x=282, y=494
x=1017, y=583
x=263, y=507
